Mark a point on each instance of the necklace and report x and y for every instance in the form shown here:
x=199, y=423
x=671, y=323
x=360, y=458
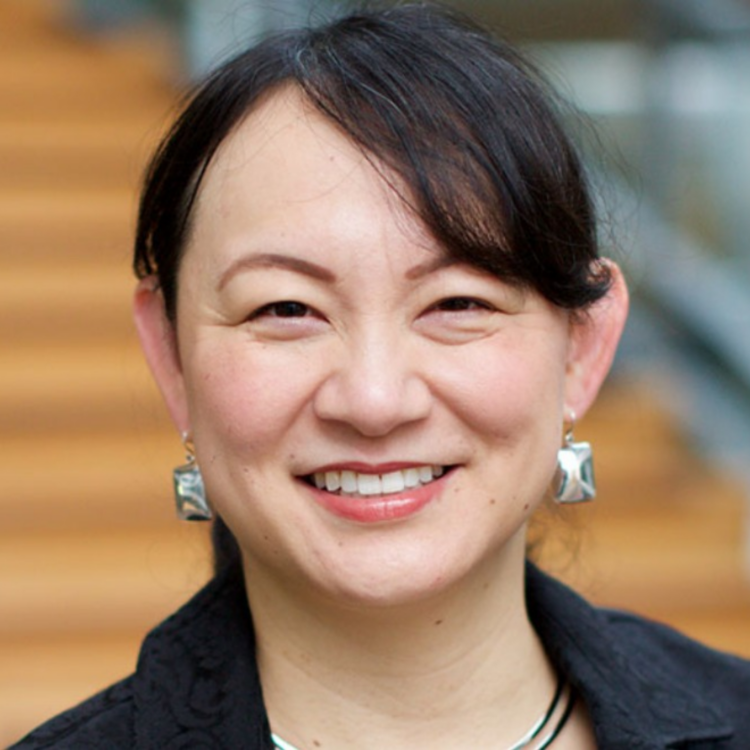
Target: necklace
x=555, y=709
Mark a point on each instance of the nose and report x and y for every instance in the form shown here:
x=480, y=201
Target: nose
x=377, y=388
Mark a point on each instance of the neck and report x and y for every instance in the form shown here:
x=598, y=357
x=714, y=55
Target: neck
x=455, y=670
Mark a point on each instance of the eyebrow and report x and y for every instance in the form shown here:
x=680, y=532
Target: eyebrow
x=275, y=260
x=430, y=266
x=307, y=268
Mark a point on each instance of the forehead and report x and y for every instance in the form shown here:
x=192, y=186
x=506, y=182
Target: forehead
x=286, y=168
x=291, y=151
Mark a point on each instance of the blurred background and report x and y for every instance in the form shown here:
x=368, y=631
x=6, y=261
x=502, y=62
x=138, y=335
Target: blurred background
x=90, y=554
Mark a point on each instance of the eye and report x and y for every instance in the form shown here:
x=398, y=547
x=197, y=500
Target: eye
x=283, y=309
x=459, y=319
x=460, y=304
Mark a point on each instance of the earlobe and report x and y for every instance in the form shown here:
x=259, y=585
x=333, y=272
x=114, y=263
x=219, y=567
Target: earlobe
x=159, y=343
x=594, y=341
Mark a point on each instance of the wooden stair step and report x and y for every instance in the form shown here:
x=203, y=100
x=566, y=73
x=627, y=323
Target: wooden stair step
x=682, y=564
x=77, y=66
x=724, y=628
x=74, y=582
x=36, y=225
x=75, y=389
x=81, y=205
x=700, y=490
x=75, y=302
x=69, y=97
x=73, y=155
x=638, y=445
x=90, y=483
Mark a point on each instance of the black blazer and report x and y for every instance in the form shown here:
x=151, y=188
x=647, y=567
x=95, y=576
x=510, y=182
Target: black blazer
x=196, y=685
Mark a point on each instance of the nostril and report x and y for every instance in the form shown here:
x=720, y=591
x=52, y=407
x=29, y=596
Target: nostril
x=373, y=404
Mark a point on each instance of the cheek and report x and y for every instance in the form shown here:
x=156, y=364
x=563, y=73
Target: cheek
x=510, y=391
x=245, y=396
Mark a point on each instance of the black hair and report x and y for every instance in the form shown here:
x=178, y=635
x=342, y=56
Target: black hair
x=467, y=126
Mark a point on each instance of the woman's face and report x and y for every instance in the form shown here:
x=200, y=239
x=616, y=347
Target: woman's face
x=374, y=422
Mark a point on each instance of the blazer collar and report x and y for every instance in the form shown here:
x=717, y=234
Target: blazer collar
x=635, y=700
x=196, y=684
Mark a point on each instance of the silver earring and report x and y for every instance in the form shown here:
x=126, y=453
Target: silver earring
x=189, y=492
x=574, y=480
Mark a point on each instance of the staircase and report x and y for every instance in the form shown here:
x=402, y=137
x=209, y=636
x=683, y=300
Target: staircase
x=90, y=554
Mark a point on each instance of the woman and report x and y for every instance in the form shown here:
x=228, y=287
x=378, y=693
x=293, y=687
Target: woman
x=372, y=299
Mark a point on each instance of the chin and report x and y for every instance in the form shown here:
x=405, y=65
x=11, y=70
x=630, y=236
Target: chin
x=404, y=577
x=388, y=594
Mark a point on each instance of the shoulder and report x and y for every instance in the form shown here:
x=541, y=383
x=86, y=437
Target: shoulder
x=721, y=677
x=104, y=720
x=645, y=684
x=573, y=627
x=195, y=685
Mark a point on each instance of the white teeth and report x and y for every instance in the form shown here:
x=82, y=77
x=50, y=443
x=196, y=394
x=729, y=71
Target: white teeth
x=411, y=478
x=393, y=482
x=348, y=481
x=369, y=484
x=353, y=483
x=333, y=481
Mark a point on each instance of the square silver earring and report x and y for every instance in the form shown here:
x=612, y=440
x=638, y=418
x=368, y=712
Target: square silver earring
x=189, y=491
x=574, y=480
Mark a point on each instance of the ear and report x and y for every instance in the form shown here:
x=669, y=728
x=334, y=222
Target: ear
x=159, y=343
x=593, y=342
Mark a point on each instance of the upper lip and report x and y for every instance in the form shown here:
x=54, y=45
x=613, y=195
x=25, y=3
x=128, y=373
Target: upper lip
x=361, y=467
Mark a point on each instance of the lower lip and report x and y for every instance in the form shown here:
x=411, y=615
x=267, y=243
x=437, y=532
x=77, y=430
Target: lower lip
x=379, y=508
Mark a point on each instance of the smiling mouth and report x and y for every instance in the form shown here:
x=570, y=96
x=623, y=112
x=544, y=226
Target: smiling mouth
x=356, y=484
